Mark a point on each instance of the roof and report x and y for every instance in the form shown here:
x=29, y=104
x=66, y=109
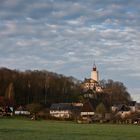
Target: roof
x=21, y=108
x=124, y=108
x=87, y=107
x=62, y=106
x=132, y=103
x=90, y=81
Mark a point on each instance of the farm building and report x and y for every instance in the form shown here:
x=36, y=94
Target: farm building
x=61, y=110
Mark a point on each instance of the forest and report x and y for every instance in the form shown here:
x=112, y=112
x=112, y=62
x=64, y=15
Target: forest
x=44, y=87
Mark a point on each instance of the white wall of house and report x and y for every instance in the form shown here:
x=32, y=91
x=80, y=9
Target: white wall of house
x=22, y=113
x=61, y=113
x=87, y=113
x=124, y=114
x=132, y=109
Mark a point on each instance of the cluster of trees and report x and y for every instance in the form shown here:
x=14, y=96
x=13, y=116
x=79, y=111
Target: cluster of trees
x=41, y=87
x=114, y=92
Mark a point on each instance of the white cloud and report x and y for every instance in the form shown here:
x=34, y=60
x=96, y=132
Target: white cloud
x=66, y=37
x=11, y=3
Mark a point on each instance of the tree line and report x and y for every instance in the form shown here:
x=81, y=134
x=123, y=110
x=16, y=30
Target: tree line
x=114, y=93
x=38, y=87
x=45, y=88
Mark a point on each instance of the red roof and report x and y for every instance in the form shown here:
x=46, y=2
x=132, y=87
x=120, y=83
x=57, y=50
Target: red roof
x=87, y=107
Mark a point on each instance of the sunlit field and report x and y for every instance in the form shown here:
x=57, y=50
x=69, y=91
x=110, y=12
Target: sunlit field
x=22, y=129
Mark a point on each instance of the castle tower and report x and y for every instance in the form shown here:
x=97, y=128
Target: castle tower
x=94, y=73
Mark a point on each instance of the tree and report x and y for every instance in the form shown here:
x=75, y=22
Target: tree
x=116, y=91
x=10, y=92
x=34, y=108
x=42, y=87
x=101, y=109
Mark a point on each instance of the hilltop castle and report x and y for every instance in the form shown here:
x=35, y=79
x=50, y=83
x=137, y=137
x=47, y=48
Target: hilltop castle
x=92, y=84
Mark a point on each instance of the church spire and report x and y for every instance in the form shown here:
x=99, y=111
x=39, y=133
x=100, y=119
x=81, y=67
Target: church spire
x=94, y=66
x=94, y=73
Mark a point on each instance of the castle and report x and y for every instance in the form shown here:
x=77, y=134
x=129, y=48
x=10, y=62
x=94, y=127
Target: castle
x=92, y=84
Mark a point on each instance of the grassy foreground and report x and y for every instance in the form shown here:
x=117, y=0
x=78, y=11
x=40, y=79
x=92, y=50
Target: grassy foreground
x=17, y=129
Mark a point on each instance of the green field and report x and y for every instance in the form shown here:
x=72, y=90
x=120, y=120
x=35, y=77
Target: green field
x=17, y=129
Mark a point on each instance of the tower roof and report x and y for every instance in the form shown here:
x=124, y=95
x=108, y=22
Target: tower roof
x=94, y=67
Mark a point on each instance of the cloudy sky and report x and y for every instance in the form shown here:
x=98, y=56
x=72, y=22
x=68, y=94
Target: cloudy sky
x=66, y=36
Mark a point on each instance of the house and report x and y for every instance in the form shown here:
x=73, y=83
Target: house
x=6, y=108
x=6, y=111
x=124, y=111
x=131, y=106
x=62, y=110
x=127, y=113
x=21, y=111
x=87, y=112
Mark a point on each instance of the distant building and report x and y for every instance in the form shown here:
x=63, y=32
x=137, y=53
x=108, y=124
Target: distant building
x=61, y=110
x=124, y=110
x=65, y=110
x=92, y=84
x=87, y=111
x=21, y=111
x=6, y=111
x=131, y=106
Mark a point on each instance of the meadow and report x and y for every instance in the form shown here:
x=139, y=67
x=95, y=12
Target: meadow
x=23, y=129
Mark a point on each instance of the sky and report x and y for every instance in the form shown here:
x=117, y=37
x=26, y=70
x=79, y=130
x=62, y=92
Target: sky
x=67, y=36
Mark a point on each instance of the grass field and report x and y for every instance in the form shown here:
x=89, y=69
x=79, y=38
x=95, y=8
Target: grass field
x=17, y=129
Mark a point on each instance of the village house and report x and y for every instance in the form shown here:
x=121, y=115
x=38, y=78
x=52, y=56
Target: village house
x=129, y=112
x=65, y=110
x=61, y=110
x=6, y=108
x=21, y=111
x=6, y=111
x=130, y=107
x=86, y=113
x=123, y=111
